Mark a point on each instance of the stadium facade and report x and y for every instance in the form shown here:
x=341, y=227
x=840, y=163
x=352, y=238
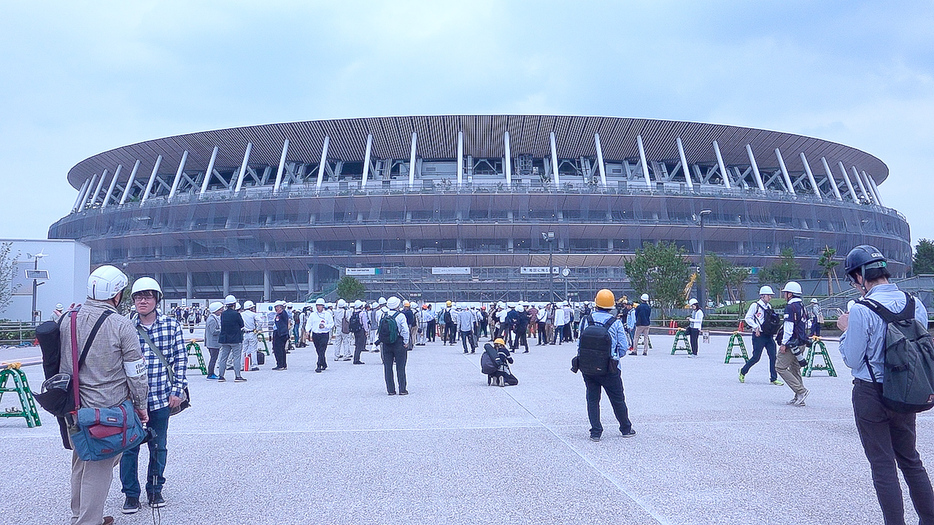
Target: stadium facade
x=476, y=207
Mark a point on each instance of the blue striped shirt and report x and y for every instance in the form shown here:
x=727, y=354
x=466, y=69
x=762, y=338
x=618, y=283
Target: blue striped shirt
x=166, y=334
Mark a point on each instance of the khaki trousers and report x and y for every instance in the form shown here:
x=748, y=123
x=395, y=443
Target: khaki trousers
x=787, y=366
x=641, y=330
x=90, y=484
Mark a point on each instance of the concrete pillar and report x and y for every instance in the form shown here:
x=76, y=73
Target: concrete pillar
x=267, y=285
x=226, y=283
x=189, y=286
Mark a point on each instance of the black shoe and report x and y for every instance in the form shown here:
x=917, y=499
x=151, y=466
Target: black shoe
x=221, y=379
x=465, y=351
x=156, y=501
x=358, y=362
x=595, y=438
x=318, y=370
x=525, y=352
x=131, y=505
x=629, y=434
x=240, y=380
x=403, y=392
x=392, y=393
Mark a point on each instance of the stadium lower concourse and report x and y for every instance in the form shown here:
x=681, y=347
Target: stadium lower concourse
x=472, y=207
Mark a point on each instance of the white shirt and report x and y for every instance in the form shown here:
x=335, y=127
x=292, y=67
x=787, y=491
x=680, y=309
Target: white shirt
x=697, y=319
x=319, y=323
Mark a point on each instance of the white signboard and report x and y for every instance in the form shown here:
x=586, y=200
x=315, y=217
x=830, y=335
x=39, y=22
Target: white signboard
x=537, y=270
x=360, y=271
x=455, y=270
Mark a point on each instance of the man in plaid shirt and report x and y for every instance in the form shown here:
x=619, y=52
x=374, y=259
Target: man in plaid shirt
x=164, y=394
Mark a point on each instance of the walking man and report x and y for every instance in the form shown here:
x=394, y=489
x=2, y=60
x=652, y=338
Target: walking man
x=163, y=346
x=793, y=337
x=888, y=437
x=763, y=334
x=464, y=320
x=343, y=341
x=394, y=351
x=319, y=324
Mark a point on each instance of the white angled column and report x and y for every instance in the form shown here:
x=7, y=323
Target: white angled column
x=554, y=161
x=684, y=165
x=755, y=168
x=366, y=160
x=178, y=174
x=508, y=160
x=645, y=165
x=100, y=184
x=208, y=173
x=412, y=160
x=866, y=179
x=460, y=158
x=859, y=181
x=285, y=151
x=87, y=192
x=152, y=179
x=875, y=189
x=113, y=184
x=80, y=198
x=726, y=174
x=807, y=169
x=129, y=183
x=833, y=182
x=781, y=164
x=244, y=166
x=849, y=185
x=322, y=164
x=596, y=142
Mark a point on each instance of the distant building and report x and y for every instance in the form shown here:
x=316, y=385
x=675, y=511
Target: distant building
x=438, y=207
x=68, y=264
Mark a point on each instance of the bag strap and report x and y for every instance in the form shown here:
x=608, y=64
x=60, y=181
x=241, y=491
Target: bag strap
x=77, y=362
x=145, y=335
x=885, y=314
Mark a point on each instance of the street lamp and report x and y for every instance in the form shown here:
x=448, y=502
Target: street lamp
x=36, y=275
x=702, y=291
x=549, y=237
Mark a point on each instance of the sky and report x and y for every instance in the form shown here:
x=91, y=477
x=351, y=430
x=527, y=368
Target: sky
x=81, y=77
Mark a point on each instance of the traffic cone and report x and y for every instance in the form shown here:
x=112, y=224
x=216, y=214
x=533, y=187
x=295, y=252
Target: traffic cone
x=741, y=326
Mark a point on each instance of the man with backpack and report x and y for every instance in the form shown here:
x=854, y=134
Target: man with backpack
x=793, y=337
x=393, y=335
x=887, y=435
x=764, y=322
x=359, y=326
x=601, y=344
x=343, y=337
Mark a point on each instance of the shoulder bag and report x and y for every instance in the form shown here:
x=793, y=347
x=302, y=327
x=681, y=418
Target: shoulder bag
x=158, y=351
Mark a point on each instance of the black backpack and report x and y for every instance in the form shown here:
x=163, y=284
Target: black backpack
x=908, y=382
x=489, y=360
x=355, y=324
x=771, y=321
x=593, y=357
x=388, y=329
x=447, y=317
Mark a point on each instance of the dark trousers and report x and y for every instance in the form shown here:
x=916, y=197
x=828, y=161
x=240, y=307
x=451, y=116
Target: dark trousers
x=612, y=382
x=129, y=463
x=394, y=352
x=520, y=339
x=567, y=333
x=359, y=341
x=483, y=330
x=450, y=333
x=758, y=343
x=278, y=349
x=541, y=333
x=467, y=337
x=321, y=347
x=692, y=335
x=430, y=334
x=815, y=328
x=213, y=362
x=888, y=440
x=559, y=334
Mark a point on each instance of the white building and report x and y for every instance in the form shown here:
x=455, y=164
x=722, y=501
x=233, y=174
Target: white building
x=68, y=264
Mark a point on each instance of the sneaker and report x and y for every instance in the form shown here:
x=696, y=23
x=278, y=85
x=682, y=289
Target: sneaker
x=156, y=501
x=742, y=376
x=777, y=383
x=403, y=392
x=633, y=353
x=254, y=369
x=645, y=353
x=221, y=379
x=108, y=520
x=595, y=438
x=318, y=370
x=629, y=434
x=793, y=401
x=358, y=362
x=212, y=376
x=801, y=398
x=131, y=505
x=392, y=393
x=240, y=379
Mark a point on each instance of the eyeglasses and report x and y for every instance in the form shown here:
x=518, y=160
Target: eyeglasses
x=144, y=296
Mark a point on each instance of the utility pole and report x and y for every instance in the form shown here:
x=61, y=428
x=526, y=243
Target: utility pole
x=702, y=291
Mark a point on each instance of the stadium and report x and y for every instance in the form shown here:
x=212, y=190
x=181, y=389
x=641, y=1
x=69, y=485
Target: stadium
x=477, y=207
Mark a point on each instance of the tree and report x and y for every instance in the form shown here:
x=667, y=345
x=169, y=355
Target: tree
x=828, y=264
x=661, y=270
x=784, y=270
x=724, y=277
x=923, y=261
x=8, y=270
x=350, y=289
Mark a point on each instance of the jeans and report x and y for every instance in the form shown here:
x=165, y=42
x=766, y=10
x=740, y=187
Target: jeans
x=888, y=440
x=227, y=350
x=612, y=382
x=693, y=333
x=394, y=352
x=467, y=338
x=159, y=423
x=520, y=339
x=758, y=343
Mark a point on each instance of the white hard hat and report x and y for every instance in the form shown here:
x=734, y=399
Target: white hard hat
x=382, y=300
x=237, y=305
x=766, y=290
x=288, y=305
x=358, y=303
x=692, y=301
x=279, y=303
x=520, y=308
x=814, y=300
x=59, y=306
x=792, y=287
x=341, y=303
x=248, y=304
x=393, y=302
x=319, y=301
x=645, y=297
x=230, y=300
x=215, y=306
x=147, y=283
x=106, y=282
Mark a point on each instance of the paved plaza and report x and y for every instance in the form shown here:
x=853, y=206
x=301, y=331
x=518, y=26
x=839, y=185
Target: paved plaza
x=300, y=447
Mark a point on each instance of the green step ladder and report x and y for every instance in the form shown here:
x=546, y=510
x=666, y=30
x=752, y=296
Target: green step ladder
x=818, y=349
x=194, y=350
x=736, y=341
x=21, y=387
x=681, y=336
x=262, y=338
